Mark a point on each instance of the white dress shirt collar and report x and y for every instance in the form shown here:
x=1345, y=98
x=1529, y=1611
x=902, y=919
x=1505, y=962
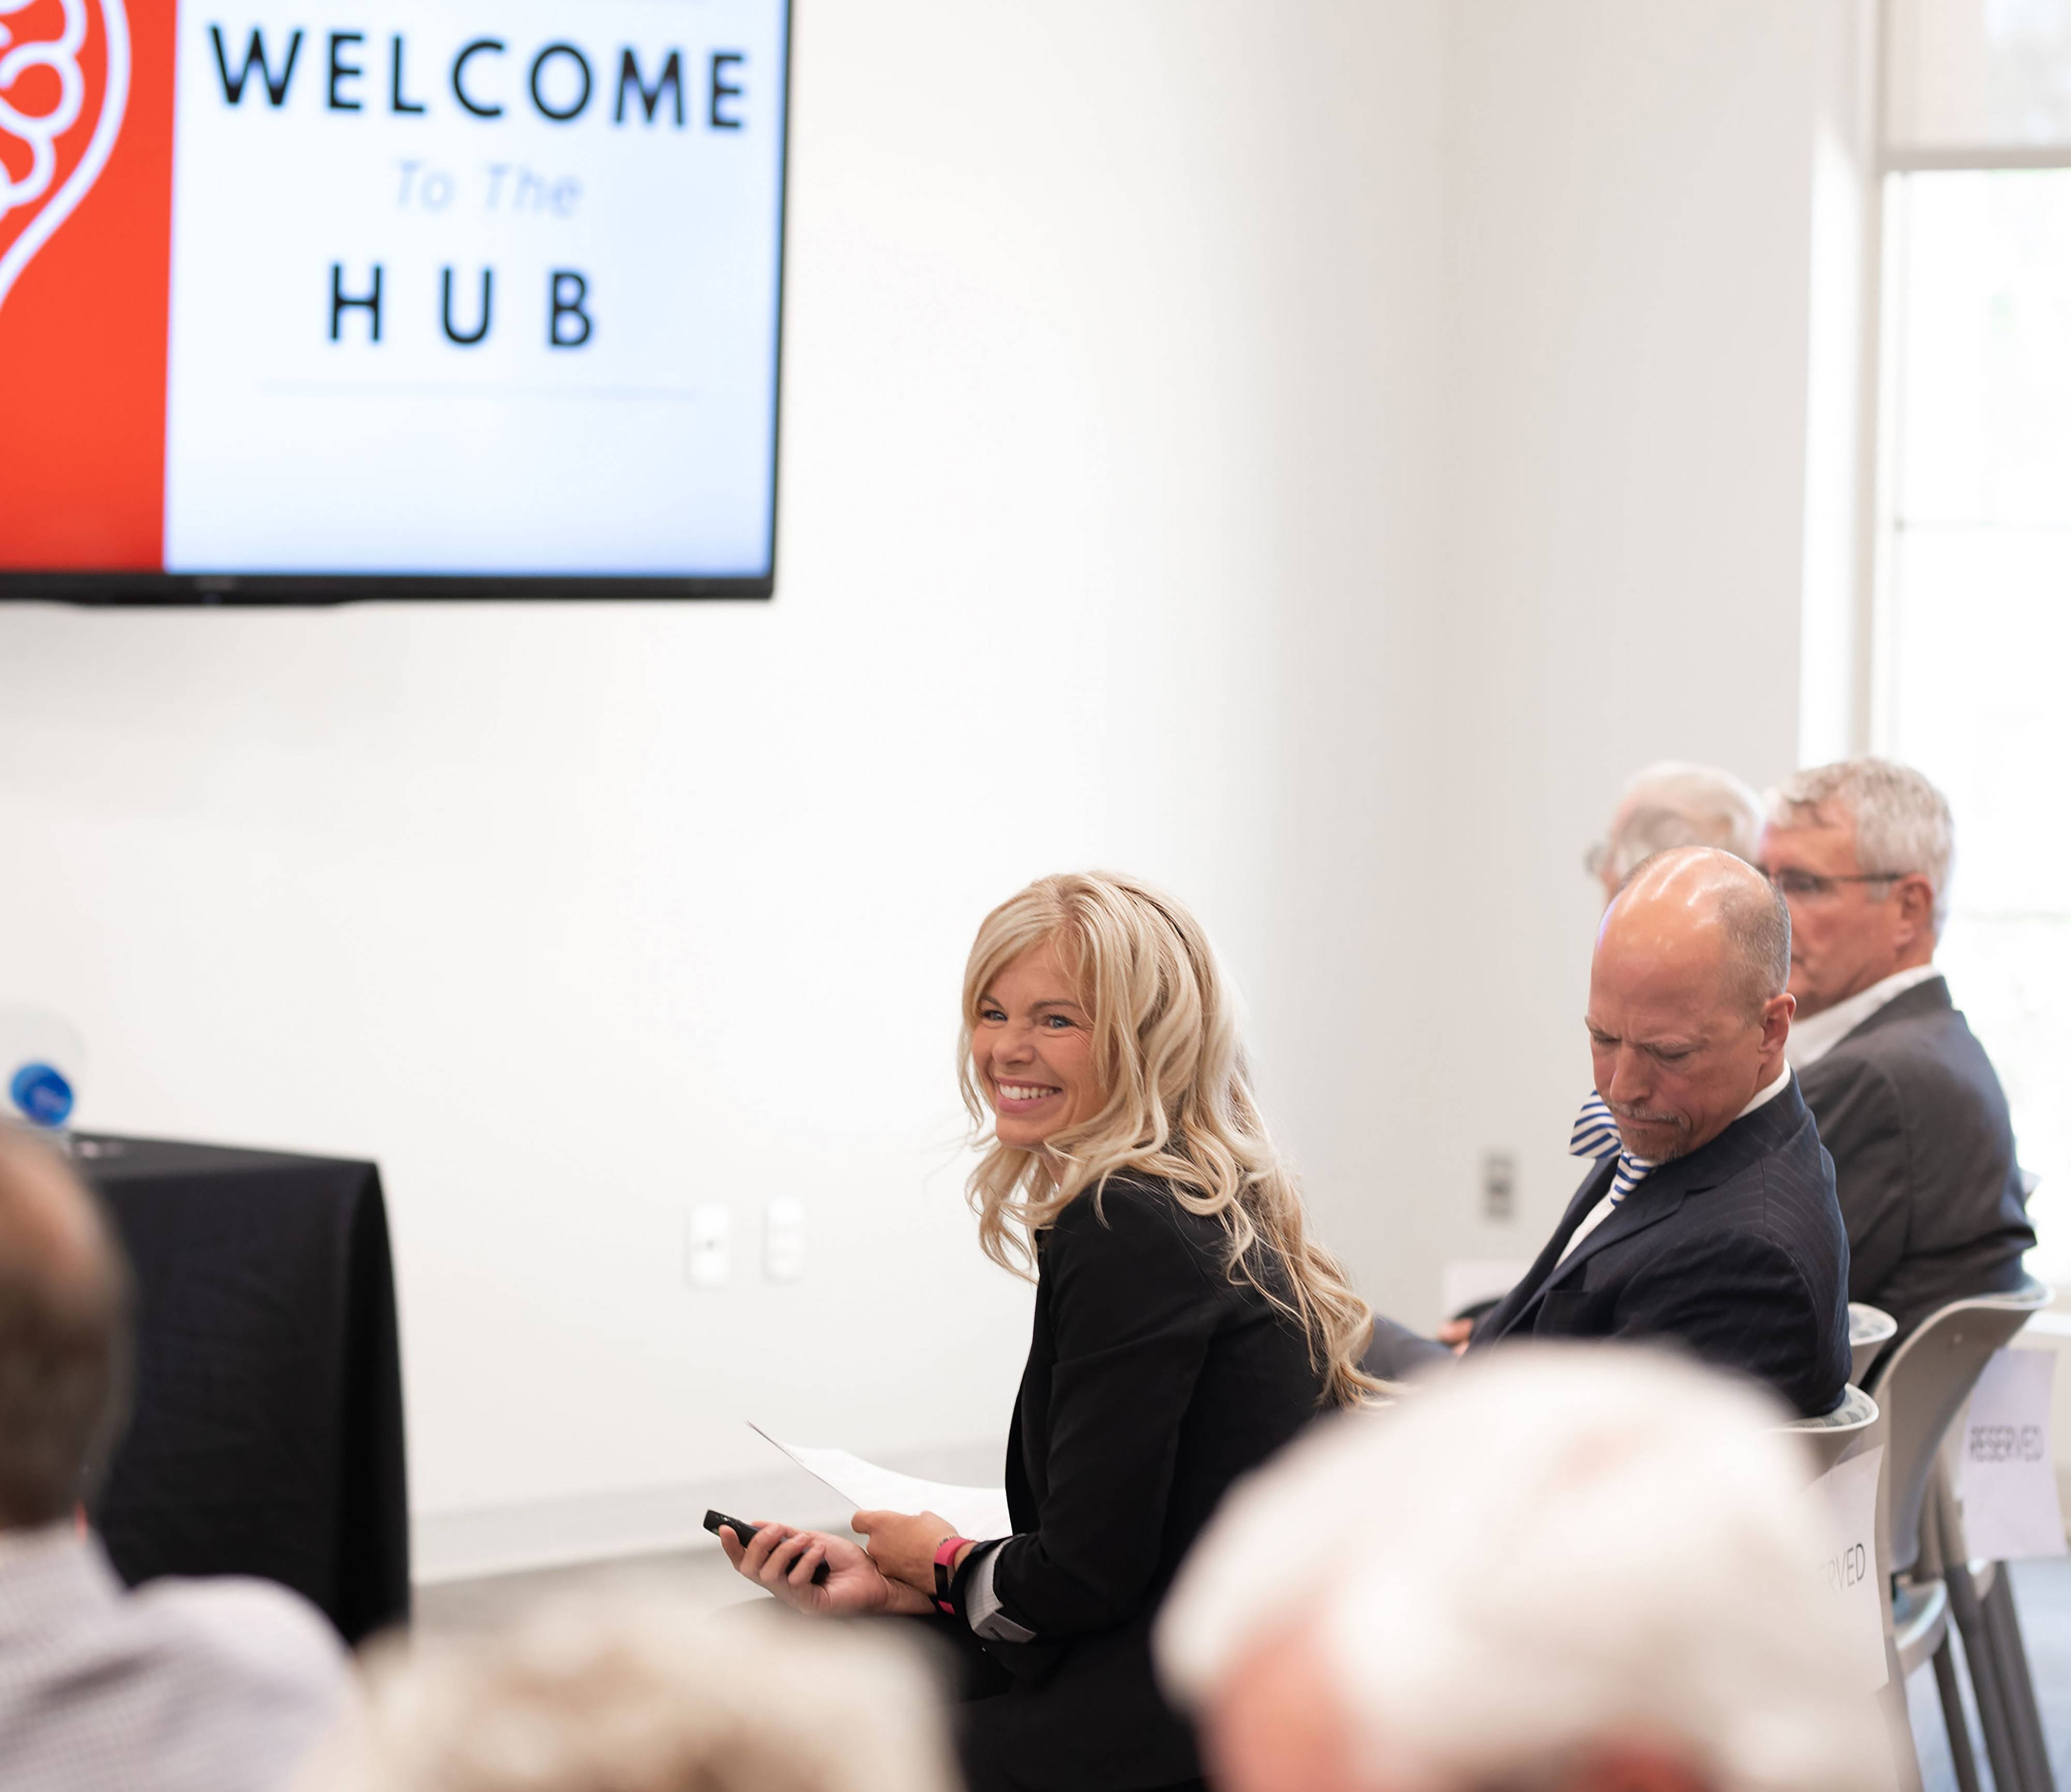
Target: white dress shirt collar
x=1810, y=1040
x=1768, y=1092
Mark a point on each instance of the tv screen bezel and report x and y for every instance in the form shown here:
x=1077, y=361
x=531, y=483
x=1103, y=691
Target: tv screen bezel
x=139, y=589
x=164, y=590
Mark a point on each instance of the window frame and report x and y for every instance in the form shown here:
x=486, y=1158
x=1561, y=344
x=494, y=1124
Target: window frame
x=1870, y=700
x=1873, y=718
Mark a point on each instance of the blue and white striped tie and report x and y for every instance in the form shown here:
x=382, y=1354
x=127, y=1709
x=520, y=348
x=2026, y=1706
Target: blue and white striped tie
x=1596, y=1135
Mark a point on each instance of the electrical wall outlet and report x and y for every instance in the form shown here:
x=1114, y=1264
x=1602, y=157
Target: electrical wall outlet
x=784, y=1240
x=709, y=1247
x=1499, y=1186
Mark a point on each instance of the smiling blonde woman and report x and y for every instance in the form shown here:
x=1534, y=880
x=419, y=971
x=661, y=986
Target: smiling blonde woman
x=1178, y=1103
x=1187, y=1326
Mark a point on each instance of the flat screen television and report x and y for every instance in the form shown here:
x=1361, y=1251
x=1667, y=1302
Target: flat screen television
x=309, y=299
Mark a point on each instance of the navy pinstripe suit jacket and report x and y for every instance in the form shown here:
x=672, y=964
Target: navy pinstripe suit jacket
x=1735, y=1252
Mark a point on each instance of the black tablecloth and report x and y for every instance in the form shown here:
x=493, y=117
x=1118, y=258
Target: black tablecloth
x=267, y=1434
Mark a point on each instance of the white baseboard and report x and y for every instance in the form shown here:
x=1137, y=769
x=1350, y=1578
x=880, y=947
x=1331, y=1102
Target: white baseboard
x=469, y=1543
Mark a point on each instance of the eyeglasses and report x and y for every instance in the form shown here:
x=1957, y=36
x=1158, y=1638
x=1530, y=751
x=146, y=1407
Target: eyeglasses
x=1811, y=884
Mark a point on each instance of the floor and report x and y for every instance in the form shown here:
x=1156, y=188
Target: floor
x=2042, y=1594
x=2042, y=1591
x=700, y=1578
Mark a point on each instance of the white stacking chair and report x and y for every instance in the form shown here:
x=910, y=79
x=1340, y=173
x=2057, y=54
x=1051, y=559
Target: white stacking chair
x=1870, y=1329
x=1841, y=1433
x=1921, y=1385
x=1981, y=1603
x=1857, y=1425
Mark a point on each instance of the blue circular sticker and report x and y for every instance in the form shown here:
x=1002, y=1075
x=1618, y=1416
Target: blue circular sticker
x=40, y=1091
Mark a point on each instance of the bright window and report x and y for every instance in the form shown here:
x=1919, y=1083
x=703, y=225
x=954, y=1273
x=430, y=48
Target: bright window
x=1974, y=615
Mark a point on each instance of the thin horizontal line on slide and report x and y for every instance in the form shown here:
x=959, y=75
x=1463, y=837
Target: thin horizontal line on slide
x=456, y=388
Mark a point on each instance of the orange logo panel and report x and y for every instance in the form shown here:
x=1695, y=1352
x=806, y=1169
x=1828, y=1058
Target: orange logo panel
x=86, y=156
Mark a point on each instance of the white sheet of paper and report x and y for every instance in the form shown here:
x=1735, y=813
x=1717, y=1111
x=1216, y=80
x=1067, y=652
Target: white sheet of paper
x=2008, y=1482
x=977, y=1512
x=1843, y=1504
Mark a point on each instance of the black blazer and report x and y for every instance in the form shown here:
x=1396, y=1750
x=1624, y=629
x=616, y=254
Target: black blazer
x=1912, y=1113
x=1153, y=1382
x=1735, y=1252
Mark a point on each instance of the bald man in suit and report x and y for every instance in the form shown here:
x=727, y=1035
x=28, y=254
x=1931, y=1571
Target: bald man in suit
x=1709, y=1219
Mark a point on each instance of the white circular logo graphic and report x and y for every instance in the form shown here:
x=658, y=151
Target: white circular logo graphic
x=43, y=132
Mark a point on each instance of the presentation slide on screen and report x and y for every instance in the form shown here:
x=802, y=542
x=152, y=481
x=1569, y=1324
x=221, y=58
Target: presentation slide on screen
x=444, y=287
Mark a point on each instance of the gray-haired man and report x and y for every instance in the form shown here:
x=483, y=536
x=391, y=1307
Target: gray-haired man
x=1907, y=1103
x=1672, y=804
x=186, y=1686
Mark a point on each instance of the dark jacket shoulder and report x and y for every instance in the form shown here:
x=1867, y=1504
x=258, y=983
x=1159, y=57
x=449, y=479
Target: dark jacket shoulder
x=1913, y=1113
x=1735, y=1250
x=1919, y=1039
x=1129, y=1201
x=1134, y=1224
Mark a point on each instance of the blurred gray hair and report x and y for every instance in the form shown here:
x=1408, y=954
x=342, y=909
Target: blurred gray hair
x=1759, y=928
x=621, y=1696
x=1675, y=804
x=1554, y=1549
x=1902, y=823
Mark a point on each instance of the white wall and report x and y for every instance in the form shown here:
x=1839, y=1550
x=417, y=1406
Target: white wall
x=1309, y=454
x=1629, y=220
x=1110, y=527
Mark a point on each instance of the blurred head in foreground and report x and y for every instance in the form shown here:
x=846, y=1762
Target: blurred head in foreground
x=64, y=1337
x=1577, y=1569
x=1674, y=805
x=622, y=1697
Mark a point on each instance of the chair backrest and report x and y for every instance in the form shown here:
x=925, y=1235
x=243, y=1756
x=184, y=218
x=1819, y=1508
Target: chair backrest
x=1922, y=1385
x=1870, y=1329
x=1834, y=1437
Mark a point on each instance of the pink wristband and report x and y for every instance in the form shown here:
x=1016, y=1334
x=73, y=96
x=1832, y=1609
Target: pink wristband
x=946, y=1568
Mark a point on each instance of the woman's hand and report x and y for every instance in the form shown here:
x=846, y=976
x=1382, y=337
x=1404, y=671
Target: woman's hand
x=782, y=1559
x=902, y=1545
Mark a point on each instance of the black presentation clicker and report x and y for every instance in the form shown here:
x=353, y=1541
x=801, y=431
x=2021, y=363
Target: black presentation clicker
x=746, y=1533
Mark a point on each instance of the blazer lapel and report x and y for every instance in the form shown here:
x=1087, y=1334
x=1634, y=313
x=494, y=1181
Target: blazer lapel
x=1648, y=1204
x=1596, y=1184
x=1654, y=1200
x=1751, y=1136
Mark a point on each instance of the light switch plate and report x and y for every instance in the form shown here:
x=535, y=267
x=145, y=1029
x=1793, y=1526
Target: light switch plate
x=709, y=1247
x=1499, y=1186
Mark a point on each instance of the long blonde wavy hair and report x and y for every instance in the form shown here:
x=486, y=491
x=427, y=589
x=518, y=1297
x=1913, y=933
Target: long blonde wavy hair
x=1179, y=1106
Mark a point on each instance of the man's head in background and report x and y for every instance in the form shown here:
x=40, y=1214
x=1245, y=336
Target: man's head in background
x=1570, y=1568
x=1862, y=851
x=64, y=1337
x=1687, y=1015
x=1672, y=804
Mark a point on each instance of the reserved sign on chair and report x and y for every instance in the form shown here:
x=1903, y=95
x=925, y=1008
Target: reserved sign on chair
x=2007, y=1480
x=1844, y=1503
